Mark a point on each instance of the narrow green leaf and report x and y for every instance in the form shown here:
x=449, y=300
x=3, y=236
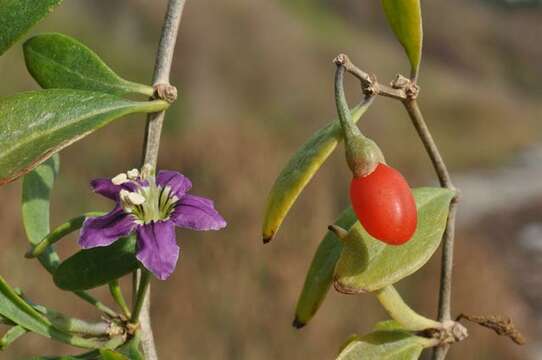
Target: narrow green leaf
x=131, y=348
x=37, y=186
x=57, y=61
x=18, y=16
x=320, y=274
x=13, y=307
x=112, y=355
x=405, y=18
x=59, y=232
x=389, y=345
x=35, y=125
x=367, y=264
x=11, y=335
x=299, y=171
x=91, y=268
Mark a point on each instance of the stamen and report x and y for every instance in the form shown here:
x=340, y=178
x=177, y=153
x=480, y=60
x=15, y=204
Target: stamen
x=133, y=174
x=135, y=198
x=119, y=179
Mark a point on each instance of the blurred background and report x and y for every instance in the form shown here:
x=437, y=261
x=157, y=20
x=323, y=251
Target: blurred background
x=255, y=81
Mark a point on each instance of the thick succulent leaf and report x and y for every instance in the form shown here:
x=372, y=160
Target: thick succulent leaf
x=37, y=186
x=57, y=61
x=17, y=16
x=389, y=345
x=367, y=264
x=91, y=268
x=35, y=125
x=320, y=274
x=299, y=171
x=405, y=18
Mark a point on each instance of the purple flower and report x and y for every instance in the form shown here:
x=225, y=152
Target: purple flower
x=151, y=207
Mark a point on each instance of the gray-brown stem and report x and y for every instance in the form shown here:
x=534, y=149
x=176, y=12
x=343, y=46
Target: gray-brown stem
x=445, y=292
x=162, y=69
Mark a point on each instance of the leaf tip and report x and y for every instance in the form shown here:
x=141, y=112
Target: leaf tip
x=297, y=323
x=268, y=237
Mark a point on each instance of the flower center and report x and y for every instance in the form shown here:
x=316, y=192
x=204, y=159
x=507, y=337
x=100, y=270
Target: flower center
x=149, y=202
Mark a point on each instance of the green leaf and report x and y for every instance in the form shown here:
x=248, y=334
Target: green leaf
x=299, y=171
x=388, y=325
x=131, y=349
x=320, y=274
x=11, y=335
x=112, y=355
x=59, y=232
x=18, y=16
x=389, y=345
x=405, y=18
x=37, y=186
x=35, y=125
x=91, y=268
x=13, y=307
x=57, y=61
x=367, y=264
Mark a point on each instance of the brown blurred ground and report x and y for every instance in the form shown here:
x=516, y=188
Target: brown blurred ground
x=255, y=80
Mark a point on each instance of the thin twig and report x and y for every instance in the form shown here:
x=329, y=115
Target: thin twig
x=368, y=82
x=162, y=70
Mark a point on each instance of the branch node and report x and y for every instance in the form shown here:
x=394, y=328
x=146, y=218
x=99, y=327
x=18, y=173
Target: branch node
x=411, y=89
x=165, y=92
x=341, y=59
x=450, y=332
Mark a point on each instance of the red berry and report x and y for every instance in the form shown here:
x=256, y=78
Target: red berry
x=384, y=205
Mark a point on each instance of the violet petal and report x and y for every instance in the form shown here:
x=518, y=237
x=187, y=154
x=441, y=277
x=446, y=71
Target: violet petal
x=106, y=229
x=197, y=213
x=178, y=183
x=111, y=191
x=157, y=249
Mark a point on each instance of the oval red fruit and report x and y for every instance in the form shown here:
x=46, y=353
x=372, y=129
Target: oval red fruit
x=384, y=205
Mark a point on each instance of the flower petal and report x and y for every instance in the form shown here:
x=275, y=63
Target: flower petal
x=197, y=213
x=106, y=188
x=178, y=183
x=157, y=249
x=104, y=230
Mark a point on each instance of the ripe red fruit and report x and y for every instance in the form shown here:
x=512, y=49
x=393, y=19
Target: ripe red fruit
x=384, y=205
